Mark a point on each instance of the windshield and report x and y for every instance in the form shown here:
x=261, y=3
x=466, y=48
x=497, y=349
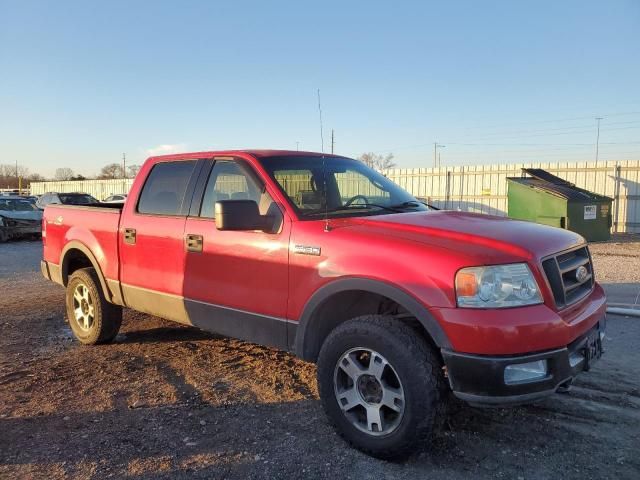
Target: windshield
x=77, y=199
x=345, y=187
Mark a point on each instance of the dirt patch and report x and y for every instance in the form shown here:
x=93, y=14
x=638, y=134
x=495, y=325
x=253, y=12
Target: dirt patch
x=166, y=401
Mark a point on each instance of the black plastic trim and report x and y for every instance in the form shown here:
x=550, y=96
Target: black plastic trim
x=247, y=326
x=200, y=186
x=64, y=265
x=479, y=379
x=302, y=341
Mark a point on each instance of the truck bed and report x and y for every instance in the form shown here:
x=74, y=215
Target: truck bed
x=93, y=226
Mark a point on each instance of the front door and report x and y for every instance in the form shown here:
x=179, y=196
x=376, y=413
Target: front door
x=236, y=282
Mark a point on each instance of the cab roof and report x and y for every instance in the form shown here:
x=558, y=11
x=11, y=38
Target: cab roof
x=258, y=153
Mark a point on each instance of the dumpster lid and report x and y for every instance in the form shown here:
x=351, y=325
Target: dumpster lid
x=546, y=176
x=544, y=180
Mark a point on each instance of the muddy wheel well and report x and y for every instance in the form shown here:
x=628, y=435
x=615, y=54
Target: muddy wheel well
x=74, y=260
x=345, y=305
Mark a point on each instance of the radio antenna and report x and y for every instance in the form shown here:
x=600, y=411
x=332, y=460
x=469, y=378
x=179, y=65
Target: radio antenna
x=321, y=133
x=324, y=170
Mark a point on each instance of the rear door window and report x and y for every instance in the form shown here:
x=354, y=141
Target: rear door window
x=165, y=188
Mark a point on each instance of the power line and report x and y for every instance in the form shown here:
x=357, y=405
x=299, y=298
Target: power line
x=554, y=129
x=565, y=119
x=576, y=132
x=502, y=144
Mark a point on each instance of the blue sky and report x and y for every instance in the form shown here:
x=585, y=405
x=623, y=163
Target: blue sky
x=494, y=81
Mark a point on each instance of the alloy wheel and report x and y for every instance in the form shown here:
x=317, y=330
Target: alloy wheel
x=369, y=391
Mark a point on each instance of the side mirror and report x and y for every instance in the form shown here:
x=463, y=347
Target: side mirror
x=238, y=215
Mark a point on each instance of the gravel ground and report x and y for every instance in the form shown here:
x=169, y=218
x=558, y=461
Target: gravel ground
x=617, y=261
x=166, y=401
x=617, y=267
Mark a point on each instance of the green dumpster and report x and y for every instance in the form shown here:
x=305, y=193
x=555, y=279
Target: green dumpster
x=547, y=199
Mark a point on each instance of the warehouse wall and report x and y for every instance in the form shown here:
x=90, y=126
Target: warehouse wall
x=474, y=188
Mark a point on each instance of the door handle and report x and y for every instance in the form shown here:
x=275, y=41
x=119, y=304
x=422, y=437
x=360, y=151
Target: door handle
x=193, y=243
x=130, y=236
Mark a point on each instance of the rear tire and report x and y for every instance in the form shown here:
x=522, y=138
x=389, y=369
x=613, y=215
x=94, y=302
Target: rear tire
x=376, y=363
x=91, y=317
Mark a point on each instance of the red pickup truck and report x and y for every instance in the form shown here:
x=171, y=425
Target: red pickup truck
x=399, y=304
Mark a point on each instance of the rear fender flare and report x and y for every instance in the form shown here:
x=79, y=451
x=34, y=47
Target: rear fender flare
x=64, y=264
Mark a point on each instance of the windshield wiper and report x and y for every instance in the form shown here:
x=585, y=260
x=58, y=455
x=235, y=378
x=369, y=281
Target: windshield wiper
x=360, y=206
x=409, y=204
x=351, y=207
x=398, y=208
x=414, y=203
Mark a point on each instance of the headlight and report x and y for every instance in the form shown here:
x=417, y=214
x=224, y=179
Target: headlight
x=497, y=286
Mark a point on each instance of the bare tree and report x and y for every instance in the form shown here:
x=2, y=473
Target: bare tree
x=35, y=177
x=132, y=170
x=9, y=176
x=113, y=170
x=377, y=161
x=63, y=173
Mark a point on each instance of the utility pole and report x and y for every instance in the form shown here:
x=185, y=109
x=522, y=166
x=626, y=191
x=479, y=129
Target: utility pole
x=124, y=173
x=436, y=155
x=598, y=138
x=332, y=141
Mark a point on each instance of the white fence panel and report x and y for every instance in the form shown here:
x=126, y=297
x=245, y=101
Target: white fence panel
x=100, y=189
x=483, y=188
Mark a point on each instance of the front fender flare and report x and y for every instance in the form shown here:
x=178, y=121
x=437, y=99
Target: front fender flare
x=305, y=331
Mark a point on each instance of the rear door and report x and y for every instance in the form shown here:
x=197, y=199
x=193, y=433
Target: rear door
x=236, y=282
x=152, y=250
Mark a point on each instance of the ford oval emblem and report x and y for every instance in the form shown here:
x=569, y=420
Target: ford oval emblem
x=581, y=274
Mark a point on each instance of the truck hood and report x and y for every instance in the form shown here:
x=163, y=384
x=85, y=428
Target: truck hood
x=495, y=238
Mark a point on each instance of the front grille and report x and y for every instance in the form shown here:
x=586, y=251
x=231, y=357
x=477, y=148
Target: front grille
x=561, y=274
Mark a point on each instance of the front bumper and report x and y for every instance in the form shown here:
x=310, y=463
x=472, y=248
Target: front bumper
x=480, y=380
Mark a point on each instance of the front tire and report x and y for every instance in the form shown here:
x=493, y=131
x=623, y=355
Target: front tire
x=91, y=317
x=381, y=385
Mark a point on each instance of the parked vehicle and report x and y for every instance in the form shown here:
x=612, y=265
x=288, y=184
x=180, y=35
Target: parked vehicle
x=120, y=198
x=398, y=304
x=18, y=218
x=74, y=198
